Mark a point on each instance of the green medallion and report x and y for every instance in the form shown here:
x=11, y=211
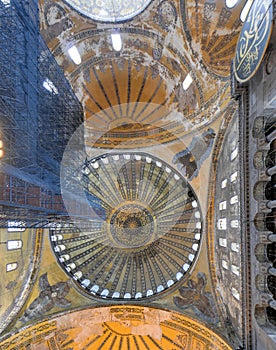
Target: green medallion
x=253, y=40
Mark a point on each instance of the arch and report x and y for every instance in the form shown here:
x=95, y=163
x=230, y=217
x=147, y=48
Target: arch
x=148, y=327
x=271, y=220
x=260, y=253
x=259, y=191
x=260, y=222
x=259, y=159
x=271, y=284
x=271, y=253
x=261, y=283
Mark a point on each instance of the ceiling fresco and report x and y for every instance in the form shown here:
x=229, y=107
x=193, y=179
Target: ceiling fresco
x=140, y=168
x=151, y=67
x=144, y=229
x=118, y=327
x=109, y=11
x=21, y=269
x=212, y=31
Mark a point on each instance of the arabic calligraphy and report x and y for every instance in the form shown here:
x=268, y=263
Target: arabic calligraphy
x=253, y=40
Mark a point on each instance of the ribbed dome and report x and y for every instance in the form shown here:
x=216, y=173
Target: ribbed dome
x=109, y=11
x=143, y=232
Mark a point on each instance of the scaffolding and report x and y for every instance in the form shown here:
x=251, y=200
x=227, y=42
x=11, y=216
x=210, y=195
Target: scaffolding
x=38, y=114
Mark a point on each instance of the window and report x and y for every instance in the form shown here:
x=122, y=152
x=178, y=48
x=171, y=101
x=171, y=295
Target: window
x=1, y=149
x=50, y=86
x=222, y=205
x=7, y=3
x=234, y=223
x=235, y=270
x=222, y=224
x=231, y=3
x=224, y=183
x=223, y=242
x=234, y=154
x=13, y=245
x=187, y=82
x=234, y=199
x=234, y=176
x=59, y=248
x=16, y=226
x=245, y=10
x=11, y=266
x=235, y=247
x=235, y=293
x=74, y=55
x=224, y=264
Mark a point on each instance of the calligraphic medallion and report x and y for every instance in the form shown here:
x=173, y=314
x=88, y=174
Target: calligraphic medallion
x=253, y=40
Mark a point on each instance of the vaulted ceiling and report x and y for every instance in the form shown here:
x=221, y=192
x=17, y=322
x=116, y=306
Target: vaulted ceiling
x=137, y=112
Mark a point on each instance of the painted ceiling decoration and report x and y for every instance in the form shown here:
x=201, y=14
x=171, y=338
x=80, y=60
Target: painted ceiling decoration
x=135, y=179
x=253, y=40
x=22, y=282
x=109, y=10
x=212, y=31
x=143, y=232
x=150, y=69
x=118, y=327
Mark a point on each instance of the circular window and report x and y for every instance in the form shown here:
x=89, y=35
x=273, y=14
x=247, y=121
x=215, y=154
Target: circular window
x=109, y=11
x=143, y=231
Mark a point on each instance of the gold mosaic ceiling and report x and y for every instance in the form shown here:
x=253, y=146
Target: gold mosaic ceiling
x=109, y=11
x=136, y=95
x=120, y=328
x=143, y=232
x=160, y=47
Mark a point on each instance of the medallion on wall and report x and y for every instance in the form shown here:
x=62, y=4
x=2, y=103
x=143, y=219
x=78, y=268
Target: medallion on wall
x=253, y=40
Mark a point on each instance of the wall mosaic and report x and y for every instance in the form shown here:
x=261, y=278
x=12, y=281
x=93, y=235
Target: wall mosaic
x=119, y=328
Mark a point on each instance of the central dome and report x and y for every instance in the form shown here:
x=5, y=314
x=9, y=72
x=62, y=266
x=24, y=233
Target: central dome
x=109, y=11
x=132, y=226
x=142, y=232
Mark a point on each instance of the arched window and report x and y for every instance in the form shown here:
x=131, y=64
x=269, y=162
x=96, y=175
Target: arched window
x=224, y=183
x=231, y=3
x=11, y=266
x=235, y=269
x=235, y=293
x=15, y=244
x=224, y=264
x=245, y=10
x=234, y=199
x=16, y=226
x=234, y=154
x=223, y=242
x=222, y=224
x=235, y=247
x=234, y=176
x=234, y=223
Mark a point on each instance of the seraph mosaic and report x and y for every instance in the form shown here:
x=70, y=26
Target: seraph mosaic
x=198, y=299
x=190, y=159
